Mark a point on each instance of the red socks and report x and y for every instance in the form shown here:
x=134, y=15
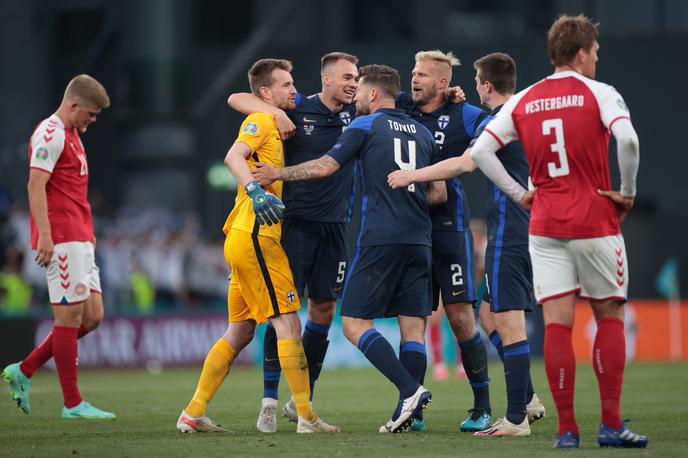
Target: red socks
x=560, y=365
x=608, y=359
x=42, y=353
x=65, y=352
x=436, y=342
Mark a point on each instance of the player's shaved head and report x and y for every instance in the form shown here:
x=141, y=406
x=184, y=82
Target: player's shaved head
x=334, y=57
x=567, y=36
x=88, y=91
x=383, y=78
x=443, y=61
x=260, y=73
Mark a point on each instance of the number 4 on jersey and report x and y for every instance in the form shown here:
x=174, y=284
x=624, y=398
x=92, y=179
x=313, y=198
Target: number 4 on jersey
x=557, y=147
x=399, y=159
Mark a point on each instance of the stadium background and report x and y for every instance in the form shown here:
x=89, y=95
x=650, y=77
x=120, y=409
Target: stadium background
x=160, y=192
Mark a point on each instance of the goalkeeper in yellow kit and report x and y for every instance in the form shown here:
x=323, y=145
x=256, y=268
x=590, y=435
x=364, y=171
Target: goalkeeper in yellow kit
x=261, y=287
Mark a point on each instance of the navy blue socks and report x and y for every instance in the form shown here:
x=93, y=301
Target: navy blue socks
x=516, y=373
x=271, y=364
x=474, y=358
x=381, y=355
x=315, y=345
x=497, y=342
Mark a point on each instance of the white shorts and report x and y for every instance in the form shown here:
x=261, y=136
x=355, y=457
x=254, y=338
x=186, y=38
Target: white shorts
x=72, y=273
x=596, y=268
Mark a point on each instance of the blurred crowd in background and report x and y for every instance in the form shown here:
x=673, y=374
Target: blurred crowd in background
x=150, y=260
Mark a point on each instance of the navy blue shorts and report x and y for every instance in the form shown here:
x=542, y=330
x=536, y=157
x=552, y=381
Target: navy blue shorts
x=509, y=278
x=317, y=256
x=388, y=280
x=453, y=267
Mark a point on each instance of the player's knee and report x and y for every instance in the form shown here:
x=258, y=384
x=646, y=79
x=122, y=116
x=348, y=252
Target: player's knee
x=93, y=319
x=462, y=320
x=321, y=311
x=352, y=331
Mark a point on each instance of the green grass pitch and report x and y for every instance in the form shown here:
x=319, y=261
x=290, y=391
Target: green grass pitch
x=147, y=406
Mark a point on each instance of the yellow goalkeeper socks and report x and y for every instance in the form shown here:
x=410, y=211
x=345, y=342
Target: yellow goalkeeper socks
x=295, y=369
x=215, y=369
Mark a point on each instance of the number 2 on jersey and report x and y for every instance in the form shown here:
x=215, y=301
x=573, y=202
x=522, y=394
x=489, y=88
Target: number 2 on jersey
x=557, y=147
x=399, y=159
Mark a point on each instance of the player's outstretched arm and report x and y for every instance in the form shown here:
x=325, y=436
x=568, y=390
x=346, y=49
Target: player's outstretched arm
x=315, y=169
x=267, y=207
x=246, y=103
x=38, y=204
x=484, y=153
x=443, y=170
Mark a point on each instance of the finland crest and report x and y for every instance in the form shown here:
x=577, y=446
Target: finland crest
x=443, y=121
x=345, y=117
x=291, y=295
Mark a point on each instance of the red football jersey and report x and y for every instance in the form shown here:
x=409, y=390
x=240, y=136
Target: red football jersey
x=59, y=152
x=563, y=123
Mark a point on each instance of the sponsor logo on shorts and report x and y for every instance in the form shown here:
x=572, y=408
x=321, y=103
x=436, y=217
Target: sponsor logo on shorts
x=456, y=293
x=291, y=295
x=42, y=153
x=251, y=128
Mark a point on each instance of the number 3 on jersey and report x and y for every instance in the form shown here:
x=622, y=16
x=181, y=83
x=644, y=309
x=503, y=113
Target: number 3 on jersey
x=399, y=159
x=557, y=147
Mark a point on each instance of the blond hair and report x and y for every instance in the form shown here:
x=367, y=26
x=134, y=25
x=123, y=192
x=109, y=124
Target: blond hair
x=87, y=90
x=438, y=56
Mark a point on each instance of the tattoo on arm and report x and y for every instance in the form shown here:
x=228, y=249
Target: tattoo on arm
x=316, y=168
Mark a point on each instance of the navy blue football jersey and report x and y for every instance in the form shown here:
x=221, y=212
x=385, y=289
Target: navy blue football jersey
x=383, y=142
x=507, y=221
x=317, y=129
x=453, y=126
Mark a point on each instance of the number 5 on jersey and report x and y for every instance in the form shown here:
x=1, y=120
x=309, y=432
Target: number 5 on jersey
x=557, y=147
x=399, y=159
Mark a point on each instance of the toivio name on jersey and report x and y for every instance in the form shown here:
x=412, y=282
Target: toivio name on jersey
x=401, y=127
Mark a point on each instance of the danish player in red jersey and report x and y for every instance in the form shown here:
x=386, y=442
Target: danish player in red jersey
x=62, y=235
x=564, y=123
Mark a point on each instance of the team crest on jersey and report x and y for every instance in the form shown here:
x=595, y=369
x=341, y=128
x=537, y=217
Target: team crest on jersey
x=42, y=153
x=345, y=117
x=443, y=121
x=308, y=128
x=291, y=295
x=251, y=128
x=80, y=289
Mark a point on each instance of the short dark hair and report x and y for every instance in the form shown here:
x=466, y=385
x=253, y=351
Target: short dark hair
x=260, y=73
x=499, y=69
x=569, y=34
x=382, y=77
x=333, y=57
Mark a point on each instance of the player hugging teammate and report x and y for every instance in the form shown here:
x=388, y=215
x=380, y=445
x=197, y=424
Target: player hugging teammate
x=297, y=157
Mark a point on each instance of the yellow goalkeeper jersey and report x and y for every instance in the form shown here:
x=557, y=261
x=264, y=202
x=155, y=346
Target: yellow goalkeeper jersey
x=259, y=131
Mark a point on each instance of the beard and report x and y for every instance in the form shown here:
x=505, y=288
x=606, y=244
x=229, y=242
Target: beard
x=362, y=109
x=425, y=97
